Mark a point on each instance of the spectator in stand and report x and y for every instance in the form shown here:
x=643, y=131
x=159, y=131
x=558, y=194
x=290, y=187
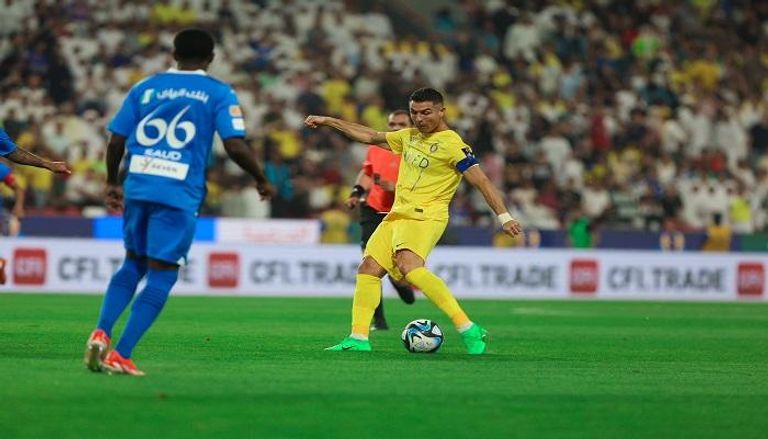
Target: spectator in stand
x=718, y=236
x=581, y=233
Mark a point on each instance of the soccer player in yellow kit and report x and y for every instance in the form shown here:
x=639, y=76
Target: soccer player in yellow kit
x=434, y=158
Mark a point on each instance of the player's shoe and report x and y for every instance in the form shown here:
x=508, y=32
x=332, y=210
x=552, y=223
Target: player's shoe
x=115, y=363
x=2, y=271
x=96, y=350
x=474, y=339
x=351, y=344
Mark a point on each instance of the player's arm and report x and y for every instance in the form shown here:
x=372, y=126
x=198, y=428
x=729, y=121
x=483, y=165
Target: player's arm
x=24, y=157
x=241, y=154
x=230, y=124
x=18, y=205
x=477, y=178
x=354, y=131
x=362, y=185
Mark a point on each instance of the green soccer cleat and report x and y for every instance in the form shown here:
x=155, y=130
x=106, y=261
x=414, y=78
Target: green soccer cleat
x=351, y=344
x=474, y=339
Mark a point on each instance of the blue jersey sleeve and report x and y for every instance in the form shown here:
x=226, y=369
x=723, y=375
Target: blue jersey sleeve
x=5, y=171
x=127, y=117
x=229, y=116
x=6, y=144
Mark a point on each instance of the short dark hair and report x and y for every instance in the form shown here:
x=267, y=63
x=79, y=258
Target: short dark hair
x=400, y=112
x=193, y=45
x=427, y=94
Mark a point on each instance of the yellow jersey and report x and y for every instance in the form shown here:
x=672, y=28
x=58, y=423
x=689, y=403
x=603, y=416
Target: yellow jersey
x=431, y=168
x=718, y=239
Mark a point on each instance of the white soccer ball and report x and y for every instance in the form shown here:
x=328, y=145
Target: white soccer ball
x=422, y=336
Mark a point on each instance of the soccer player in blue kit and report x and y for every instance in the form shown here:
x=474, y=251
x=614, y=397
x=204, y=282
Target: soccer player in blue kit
x=167, y=123
x=10, y=151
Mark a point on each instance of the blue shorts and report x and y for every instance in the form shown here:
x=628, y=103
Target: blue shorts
x=158, y=231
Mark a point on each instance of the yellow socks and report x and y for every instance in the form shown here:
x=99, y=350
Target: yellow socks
x=437, y=291
x=367, y=298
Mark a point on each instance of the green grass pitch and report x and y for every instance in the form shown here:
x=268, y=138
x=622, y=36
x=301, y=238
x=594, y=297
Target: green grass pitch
x=254, y=367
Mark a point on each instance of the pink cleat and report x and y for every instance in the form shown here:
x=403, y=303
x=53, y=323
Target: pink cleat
x=96, y=350
x=115, y=363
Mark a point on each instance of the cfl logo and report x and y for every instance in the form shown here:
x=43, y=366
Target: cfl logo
x=165, y=130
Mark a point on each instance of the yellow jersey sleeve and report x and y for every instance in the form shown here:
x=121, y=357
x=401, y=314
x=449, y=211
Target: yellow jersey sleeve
x=461, y=157
x=396, y=139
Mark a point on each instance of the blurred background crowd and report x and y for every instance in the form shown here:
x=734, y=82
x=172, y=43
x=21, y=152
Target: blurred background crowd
x=644, y=114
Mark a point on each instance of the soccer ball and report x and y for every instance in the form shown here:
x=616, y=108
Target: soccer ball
x=422, y=336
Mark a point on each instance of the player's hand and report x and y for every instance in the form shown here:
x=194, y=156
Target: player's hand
x=316, y=121
x=266, y=190
x=113, y=197
x=352, y=202
x=512, y=228
x=59, y=168
x=14, y=225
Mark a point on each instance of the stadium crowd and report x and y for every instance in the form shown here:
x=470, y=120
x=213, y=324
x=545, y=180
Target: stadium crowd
x=640, y=115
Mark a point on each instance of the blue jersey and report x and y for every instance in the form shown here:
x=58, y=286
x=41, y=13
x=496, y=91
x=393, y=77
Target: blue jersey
x=6, y=144
x=5, y=171
x=169, y=120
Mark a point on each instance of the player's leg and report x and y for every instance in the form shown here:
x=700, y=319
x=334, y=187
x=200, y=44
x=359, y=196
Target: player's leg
x=404, y=290
x=121, y=289
x=369, y=221
x=366, y=299
x=412, y=265
x=122, y=285
x=161, y=276
x=376, y=261
x=416, y=240
x=170, y=234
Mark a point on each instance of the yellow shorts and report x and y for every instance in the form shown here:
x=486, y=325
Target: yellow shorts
x=398, y=233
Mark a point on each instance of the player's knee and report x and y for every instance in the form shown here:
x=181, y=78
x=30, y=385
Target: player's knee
x=157, y=264
x=159, y=285
x=134, y=267
x=408, y=261
x=370, y=267
x=130, y=273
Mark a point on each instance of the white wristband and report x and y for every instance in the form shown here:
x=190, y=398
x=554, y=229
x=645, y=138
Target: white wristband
x=504, y=218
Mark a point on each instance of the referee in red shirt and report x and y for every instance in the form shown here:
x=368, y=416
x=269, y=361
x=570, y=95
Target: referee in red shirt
x=377, y=179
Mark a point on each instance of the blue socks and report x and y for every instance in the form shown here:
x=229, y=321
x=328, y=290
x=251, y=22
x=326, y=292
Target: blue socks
x=120, y=292
x=146, y=308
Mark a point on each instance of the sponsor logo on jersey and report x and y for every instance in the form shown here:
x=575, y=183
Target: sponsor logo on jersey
x=147, y=96
x=175, y=93
x=142, y=164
